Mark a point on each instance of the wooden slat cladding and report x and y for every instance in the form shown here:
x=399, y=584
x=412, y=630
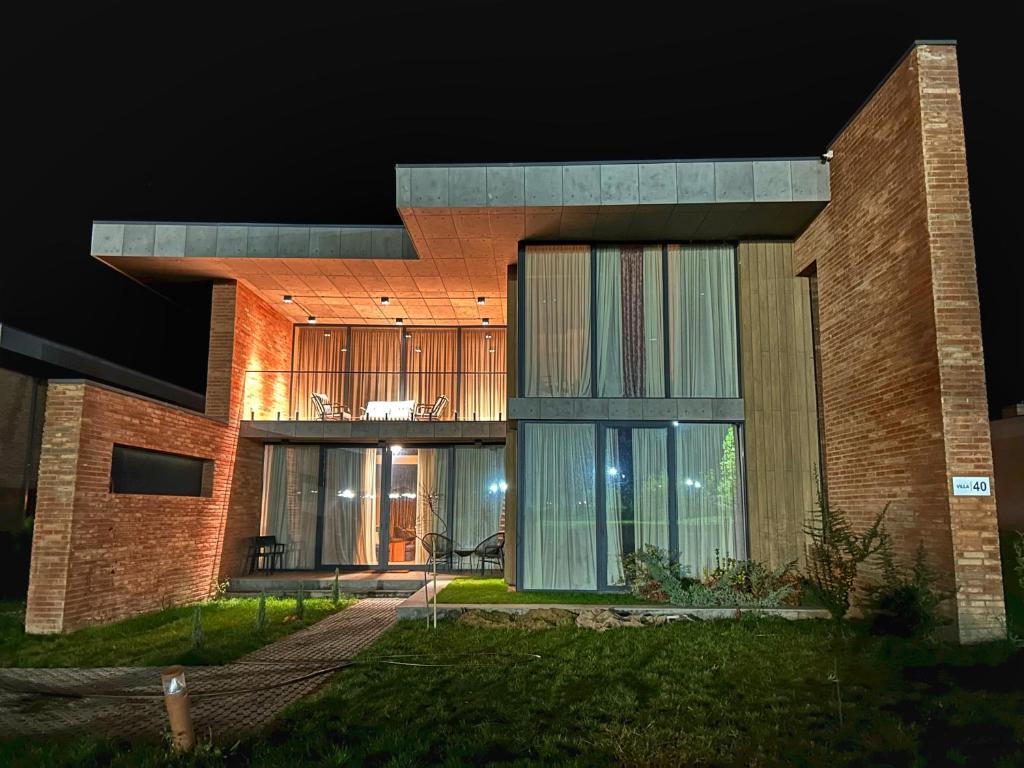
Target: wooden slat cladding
x=777, y=358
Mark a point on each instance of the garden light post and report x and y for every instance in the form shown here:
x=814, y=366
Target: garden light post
x=179, y=714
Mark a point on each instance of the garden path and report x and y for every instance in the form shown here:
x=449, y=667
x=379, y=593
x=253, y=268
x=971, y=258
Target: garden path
x=226, y=700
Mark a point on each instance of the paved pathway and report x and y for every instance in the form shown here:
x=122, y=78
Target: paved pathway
x=36, y=702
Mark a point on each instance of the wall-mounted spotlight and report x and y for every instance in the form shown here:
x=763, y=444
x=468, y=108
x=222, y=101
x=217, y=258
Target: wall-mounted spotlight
x=486, y=321
x=481, y=300
x=384, y=300
x=287, y=299
x=311, y=319
x=399, y=321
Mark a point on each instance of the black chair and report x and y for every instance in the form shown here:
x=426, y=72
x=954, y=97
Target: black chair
x=265, y=550
x=490, y=550
x=439, y=549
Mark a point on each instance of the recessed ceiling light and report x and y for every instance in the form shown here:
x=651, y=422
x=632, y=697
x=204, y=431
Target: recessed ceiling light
x=481, y=300
x=311, y=319
x=287, y=299
x=385, y=300
x=486, y=321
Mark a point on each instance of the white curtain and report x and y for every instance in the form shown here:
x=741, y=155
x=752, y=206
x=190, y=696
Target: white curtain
x=636, y=498
x=431, y=495
x=350, y=507
x=556, y=321
x=476, y=506
x=654, y=323
x=609, y=323
x=559, y=515
x=291, y=476
x=707, y=495
x=702, y=321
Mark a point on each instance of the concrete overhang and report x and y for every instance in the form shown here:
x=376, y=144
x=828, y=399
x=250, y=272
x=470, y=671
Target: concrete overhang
x=483, y=211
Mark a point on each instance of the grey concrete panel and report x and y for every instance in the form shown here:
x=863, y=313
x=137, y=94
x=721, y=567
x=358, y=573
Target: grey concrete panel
x=659, y=409
x=588, y=409
x=543, y=185
x=325, y=243
x=620, y=184
x=341, y=429
x=169, y=240
x=356, y=243
x=734, y=182
x=505, y=186
x=824, y=181
x=366, y=429
x=467, y=187
x=581, y=185
x=232, y=241
x=139, y=239
x=429, y=187
x=694, y=409
x=408, y=249
x=625, y=410
x=293, y=242
x=804, y=174
x=727, y=409
x=523, y=408
x=201, y=240
x=107, y=239
x=386, y=243
x=262, y=242
x=556, y=408
x=695, y=182
x=772, y=181
x=420, y=429
x=497, y=430
x=403, y=189
x=657, y=183
x=576, y=225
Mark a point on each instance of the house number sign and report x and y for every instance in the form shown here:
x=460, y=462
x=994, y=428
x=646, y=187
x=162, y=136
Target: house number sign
x=972, y=486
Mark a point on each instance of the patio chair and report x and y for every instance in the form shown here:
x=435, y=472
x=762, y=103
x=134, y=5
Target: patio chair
x=490, y=550
x=328, y=411
x=431, y=411
x=439, y=549
x=266, y=550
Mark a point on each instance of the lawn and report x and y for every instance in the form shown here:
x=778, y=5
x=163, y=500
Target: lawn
x=753, y=692
x=156, y=639
x=477, y=591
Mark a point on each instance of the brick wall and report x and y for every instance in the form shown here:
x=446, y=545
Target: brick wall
x=98, y=556
x=902, y=379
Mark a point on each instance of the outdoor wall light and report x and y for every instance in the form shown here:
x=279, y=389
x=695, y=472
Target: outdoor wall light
x=675, y=423
x=311, y=319
x=613, y=471
x=384, y=300
x=493, y=488
x=348, y=493
x=486, y=321
x=689, y=481
x=399, y=321
x=287, y=299
x=481, y=300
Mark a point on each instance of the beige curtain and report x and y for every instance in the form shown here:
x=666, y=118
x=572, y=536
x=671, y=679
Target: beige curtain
x=430, y=365
x=432, y=489
x=376, y=355
x=609, y=323
x=291, y=477
x=654, y=323
x=483, y=384
x=556, y=321
x=476, y=507
x=702, y=321
x=349, y=506
x=318, y=362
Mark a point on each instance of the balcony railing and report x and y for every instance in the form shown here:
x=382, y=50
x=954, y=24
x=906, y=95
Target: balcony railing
x=377, y=395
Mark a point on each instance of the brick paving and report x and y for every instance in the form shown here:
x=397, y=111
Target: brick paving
x=128, y=702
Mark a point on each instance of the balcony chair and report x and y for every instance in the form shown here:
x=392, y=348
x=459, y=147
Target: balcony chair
x=439, y=549
x=328, y=411
x=490, y=550
x=265, y=550
x=431, y=411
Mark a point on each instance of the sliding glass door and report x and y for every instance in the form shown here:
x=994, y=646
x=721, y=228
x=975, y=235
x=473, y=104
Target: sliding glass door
x=290, y=496
x=352, y=509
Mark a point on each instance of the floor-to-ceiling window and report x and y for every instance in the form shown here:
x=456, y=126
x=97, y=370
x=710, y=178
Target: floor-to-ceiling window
x=290, y=494
x=351, y=518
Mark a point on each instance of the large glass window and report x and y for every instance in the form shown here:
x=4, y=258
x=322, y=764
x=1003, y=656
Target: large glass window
x=636, y=494
x=483, y=383
x=290, y=487
x=556, y=321
x=478, y=496
x=416, y=501
x=318, y=363
x=630, y=322
x=558, y=507
x=710, y=515
x=702, y=321
x=351, y=527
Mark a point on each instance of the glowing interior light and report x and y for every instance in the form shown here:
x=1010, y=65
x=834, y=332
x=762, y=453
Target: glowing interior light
x=675, y=423
x=613, y=471
x=689, y=481
x=493, y=488
x=394, y=495
x=396, y=449
x=408, y=495
x=696, y=484
x=348, y=493
x=503, y=486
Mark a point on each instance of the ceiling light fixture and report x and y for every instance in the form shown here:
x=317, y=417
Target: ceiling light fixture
x=487, y=335
x=398, y=321
x=384, y=300
x=311, y=319
x=481, y=300
x=287, y=299
x=486, y=321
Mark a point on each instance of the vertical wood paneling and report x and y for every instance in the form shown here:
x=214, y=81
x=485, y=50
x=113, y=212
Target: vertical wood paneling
x=779, y=397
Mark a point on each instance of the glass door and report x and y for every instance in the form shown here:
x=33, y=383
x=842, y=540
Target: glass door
x=417, y=501
x=352, y=506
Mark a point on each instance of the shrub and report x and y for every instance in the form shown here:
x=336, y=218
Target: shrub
x=219, y=589
x=836, y=552
x=261, y=614
x=731, y=584
x=198, y=636
x=905, y=602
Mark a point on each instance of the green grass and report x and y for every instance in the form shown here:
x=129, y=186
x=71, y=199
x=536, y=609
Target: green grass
x=754, y=692
x=476, y=591
x=155, y=639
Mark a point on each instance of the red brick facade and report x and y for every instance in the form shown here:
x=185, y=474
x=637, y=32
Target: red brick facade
x=903, y=387
x=99, y=556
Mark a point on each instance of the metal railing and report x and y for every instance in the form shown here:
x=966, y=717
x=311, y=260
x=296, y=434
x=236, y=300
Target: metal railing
x=376, y=395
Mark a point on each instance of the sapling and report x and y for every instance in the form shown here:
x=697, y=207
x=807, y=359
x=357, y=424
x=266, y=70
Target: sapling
x=336, y=588
x=261, y=613
x=198, y=636
x=300, y=604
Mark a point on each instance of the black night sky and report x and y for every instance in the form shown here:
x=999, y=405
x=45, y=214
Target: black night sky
x=298, y=115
